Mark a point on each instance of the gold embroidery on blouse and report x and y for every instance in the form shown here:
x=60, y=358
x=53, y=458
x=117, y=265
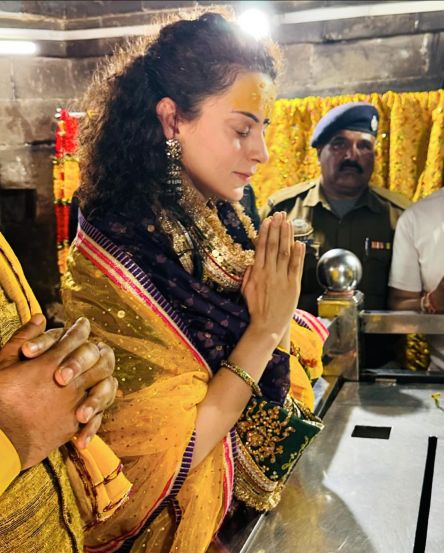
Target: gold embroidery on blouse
x=251, y=485
x=263, y=431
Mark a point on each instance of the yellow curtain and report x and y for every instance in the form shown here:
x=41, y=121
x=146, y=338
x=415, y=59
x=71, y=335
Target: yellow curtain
x=409, y=149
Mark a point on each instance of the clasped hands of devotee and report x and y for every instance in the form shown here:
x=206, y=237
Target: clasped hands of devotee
x=277, y=272
x=54, y=385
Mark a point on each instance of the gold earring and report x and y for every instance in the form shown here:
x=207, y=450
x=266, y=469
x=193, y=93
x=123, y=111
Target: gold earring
x=174, y=168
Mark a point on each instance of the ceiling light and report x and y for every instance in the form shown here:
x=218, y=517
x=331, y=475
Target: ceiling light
x=17, y=48
x=255, y=22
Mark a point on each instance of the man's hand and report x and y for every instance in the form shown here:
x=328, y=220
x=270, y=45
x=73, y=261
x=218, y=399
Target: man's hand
x=50, y=383
x=437, y=297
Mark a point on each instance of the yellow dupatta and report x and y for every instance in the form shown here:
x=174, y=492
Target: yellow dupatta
x=162, y=379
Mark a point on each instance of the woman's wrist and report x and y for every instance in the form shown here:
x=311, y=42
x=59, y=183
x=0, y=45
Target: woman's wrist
x=264, y=336
x=254, y=350
x=284, y=342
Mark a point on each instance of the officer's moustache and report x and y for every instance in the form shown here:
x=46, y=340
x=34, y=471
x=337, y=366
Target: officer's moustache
x=352, y=165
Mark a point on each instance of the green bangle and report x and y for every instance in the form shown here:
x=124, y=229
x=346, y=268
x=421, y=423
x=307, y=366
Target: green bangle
x=243, y=375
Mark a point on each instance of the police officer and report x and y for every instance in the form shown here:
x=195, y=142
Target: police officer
x=341, y=210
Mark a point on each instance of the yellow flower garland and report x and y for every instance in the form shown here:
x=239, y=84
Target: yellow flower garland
x=409, y=150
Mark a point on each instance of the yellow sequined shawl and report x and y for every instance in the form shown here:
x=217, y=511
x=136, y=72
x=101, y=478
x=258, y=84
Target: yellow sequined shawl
x=162, y=379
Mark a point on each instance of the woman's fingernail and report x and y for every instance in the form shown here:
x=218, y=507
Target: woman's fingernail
x=67, y=374
x=82, y=321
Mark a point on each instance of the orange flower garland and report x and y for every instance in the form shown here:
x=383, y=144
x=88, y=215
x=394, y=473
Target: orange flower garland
x=66, y=179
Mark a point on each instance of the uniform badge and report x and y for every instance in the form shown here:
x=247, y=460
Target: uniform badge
x=304, y=232
x=301, y=228
x=374, y=123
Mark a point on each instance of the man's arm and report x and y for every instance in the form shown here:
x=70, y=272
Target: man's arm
x=405, y=283
x=403, y=300
x=436, y=297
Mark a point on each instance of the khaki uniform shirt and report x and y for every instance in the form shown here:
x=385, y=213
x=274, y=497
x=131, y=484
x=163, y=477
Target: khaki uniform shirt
x=367, y=230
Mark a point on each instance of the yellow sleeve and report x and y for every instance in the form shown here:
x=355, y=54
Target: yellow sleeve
x=300, y=385
x=305, y=363
x=9, y=462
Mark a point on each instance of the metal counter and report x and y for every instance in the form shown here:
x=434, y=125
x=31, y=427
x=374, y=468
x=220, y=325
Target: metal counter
x=400, y=322
x=362, y=495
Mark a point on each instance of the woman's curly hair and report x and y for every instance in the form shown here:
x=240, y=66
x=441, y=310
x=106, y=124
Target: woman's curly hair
x=121, y=143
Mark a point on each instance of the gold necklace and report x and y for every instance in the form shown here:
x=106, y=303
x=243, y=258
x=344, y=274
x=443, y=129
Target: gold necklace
x=224, y=260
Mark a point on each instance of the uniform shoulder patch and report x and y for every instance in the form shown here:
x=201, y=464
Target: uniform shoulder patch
x=395, y=198
x=290, y=192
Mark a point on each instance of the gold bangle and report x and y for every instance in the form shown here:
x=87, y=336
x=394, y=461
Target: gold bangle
x=243, y=375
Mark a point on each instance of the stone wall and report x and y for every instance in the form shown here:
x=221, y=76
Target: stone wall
x=398, y=53
x=31, y=89
x=377, y=54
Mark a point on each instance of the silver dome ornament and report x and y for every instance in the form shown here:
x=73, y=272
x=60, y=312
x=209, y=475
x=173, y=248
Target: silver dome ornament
x=339, y=270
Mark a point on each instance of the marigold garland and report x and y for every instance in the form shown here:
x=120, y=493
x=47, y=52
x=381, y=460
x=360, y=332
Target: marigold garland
x=409, y=149
x=66, y=179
